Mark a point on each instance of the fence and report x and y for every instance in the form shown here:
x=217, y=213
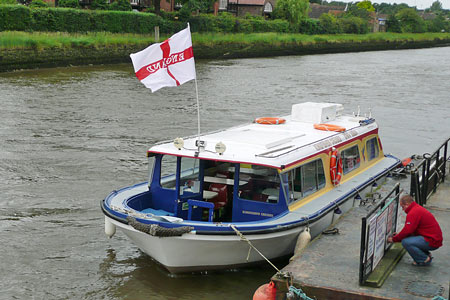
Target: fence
x=380, y=223
x=429, y=173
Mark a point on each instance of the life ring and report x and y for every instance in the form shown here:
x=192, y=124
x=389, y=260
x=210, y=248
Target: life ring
x=329, y=127
x=270, y=121
x=335, y=167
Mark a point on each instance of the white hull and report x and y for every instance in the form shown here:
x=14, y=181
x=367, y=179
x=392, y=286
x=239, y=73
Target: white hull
x=192, y=252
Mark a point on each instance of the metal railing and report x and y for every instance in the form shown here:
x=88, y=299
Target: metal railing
x=429, y=173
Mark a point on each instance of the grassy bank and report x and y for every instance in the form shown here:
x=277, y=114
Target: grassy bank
x=29, y=50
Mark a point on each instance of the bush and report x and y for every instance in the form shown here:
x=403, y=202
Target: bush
x=353, y=25
x=14, y=17
x=329, y=24
x=121, y=5
x=69, y=3
x=38, y=3
x=99, y=4
x=8, y=2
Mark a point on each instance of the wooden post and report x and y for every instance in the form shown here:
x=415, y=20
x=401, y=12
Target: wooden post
x=156, y=34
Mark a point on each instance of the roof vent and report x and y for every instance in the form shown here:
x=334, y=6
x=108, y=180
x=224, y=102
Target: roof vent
x=312, y=112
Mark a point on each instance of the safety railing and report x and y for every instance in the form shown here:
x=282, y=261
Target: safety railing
x=377, y=225
x=429, y=173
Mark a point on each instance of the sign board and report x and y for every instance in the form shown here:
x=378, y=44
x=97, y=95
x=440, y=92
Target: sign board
x=380, y=238
x=377, y=226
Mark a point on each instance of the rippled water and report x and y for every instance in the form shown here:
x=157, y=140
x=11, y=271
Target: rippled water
x=68, y=136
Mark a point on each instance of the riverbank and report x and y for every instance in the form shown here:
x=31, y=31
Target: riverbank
x=21, y=50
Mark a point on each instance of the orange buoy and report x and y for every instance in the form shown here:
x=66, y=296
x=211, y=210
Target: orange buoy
x=267, y=291
x=406, y=161
x=329, y=127
x=335, y=167
x=270, y=121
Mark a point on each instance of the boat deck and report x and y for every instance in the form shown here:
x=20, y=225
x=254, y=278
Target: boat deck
x=329, y=266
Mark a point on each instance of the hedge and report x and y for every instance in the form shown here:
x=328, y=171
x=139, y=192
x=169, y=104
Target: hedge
x=22, y=18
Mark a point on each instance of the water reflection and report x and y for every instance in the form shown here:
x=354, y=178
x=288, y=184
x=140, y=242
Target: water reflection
x=69, y=136
x=142, y=278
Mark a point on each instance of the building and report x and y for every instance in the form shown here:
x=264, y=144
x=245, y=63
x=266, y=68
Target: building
x=242, y=7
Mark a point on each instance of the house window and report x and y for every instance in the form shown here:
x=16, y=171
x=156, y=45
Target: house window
x=223, y=4
x=372, y=148
x=306, y=180
x=350, y=159
x=134, y=2
x=259, y=183
x=268, y=8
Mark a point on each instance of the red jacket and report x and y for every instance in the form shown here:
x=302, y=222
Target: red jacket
x=420, y=221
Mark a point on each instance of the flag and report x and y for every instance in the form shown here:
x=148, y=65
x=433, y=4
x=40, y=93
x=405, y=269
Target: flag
x=170, y=63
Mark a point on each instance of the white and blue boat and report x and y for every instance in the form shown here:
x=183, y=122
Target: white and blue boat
x=268, y=180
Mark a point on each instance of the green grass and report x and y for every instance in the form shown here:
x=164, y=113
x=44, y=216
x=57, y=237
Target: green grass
x=44, y=40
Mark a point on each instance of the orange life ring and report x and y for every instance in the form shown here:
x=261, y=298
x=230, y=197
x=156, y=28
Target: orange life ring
x=335, y=167
x=329, y=127
x=270, y=121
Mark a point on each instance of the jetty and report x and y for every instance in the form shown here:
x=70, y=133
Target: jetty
x=331, y=266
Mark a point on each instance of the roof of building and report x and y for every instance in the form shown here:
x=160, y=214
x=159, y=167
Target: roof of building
x=317, y=10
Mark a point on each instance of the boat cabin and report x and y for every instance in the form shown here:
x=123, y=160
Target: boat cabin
x=257, y=171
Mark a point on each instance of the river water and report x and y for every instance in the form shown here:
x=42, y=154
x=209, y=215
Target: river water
x=68, y=136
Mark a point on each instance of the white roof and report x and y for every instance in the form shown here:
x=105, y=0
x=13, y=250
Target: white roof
x=273, y=145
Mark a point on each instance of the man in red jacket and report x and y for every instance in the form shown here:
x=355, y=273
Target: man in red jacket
x=421, y=233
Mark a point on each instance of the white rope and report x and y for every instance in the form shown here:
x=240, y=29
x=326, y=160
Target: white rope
x=243, y=238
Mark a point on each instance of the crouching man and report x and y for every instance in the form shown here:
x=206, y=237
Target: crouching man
x=421, y=233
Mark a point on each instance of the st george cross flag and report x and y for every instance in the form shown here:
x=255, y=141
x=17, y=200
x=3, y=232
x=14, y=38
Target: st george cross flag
x=169, y=63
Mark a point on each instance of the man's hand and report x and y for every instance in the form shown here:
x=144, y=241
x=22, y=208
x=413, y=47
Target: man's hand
x=389, y=239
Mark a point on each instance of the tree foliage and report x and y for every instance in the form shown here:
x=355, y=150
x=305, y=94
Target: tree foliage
x=292, y=10
x=99, y=4
x=366, y=4
x=8, y=2
x=69, y=3
x=121, y=5
x=38, y=3
x=410, y=21
x=436, y=6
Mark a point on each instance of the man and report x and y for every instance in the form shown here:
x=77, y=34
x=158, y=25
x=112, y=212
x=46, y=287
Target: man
x=421, y=233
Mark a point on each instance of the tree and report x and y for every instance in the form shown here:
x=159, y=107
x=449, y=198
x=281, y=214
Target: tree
x=38, y=3
x=410, y=21
x=99, y=4
x=123, y=5
x=69, y=3
x=436, y=6
x=292, y=10
x=366, y=4
x=8, y=2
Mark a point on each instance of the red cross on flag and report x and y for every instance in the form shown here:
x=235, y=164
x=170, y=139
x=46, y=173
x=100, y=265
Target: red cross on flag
x=169, y=63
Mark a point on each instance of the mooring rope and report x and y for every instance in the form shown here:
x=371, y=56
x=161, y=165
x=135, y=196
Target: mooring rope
x=243, y=238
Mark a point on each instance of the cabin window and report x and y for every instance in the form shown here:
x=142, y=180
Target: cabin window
x=306, y=180
x=350, y=159
x=151, y=167
x=168, y=171
x=189, y=174
x=372, y=148
x=259, y=183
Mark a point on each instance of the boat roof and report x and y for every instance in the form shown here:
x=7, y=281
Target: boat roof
x=275, y=145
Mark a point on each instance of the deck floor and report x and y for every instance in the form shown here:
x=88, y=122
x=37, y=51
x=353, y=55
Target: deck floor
x=329, y=266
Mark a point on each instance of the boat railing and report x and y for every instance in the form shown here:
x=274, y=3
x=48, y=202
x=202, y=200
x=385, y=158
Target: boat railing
x=429, y=173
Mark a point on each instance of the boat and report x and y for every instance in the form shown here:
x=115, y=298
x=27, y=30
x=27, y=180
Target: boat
x=212, y=199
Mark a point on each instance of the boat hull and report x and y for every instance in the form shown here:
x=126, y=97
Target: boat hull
x=202, y=252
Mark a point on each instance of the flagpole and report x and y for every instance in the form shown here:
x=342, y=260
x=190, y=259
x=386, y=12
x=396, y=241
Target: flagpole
x=198, y=114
